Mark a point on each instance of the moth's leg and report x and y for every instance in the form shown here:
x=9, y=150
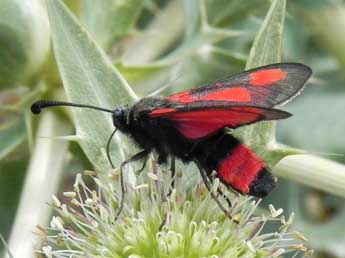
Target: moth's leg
x=233, y=190
x=172, y=186
x=173, y=174
x=162, y=157
x=220, y=192
x=208, y=185
x=144, y=164
x=140, y=155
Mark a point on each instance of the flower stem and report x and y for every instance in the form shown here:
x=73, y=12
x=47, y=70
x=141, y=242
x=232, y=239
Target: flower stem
x=323, y=174
x=42, y=180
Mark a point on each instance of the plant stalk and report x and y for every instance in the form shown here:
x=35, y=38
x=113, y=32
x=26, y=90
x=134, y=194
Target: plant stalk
x=42, y=180
x=317, y=172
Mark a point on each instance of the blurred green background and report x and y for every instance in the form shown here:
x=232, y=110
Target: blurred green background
x=177, y=45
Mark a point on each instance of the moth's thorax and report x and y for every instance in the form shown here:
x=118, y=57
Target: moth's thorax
x=120, y=117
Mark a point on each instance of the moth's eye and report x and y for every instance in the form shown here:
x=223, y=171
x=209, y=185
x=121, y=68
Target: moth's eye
x=118, y=112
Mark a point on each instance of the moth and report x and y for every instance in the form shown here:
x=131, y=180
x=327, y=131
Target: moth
x=190, y=125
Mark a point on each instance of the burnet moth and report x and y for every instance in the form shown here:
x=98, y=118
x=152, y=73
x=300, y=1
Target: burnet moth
x=190, y=125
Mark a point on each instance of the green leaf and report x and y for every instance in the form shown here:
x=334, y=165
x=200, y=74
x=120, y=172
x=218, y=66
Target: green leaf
x=12, y=175
x=147, y=79
x=19, y=99
x=266, y=49
x=110, y=20
x=159, y=36
x=195, y=17
x=323, y=137
x=24, y=40
x=88, y=77
x=199, y=35
x=8, y=251
x=12, y=133
x=224, y=12
x=42, y=180
x=267, y=45
x=139, y=73
x=325, y=20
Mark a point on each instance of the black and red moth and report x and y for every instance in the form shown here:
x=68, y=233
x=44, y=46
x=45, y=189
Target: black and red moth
x=190, y=125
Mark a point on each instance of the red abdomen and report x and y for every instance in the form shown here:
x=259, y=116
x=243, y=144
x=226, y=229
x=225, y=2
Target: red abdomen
x=240, y=168
x=236, y=165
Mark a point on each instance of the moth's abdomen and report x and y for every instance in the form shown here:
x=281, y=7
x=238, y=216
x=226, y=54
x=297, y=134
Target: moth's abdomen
x=263, y=183
x=236, y=165
x=246, y=172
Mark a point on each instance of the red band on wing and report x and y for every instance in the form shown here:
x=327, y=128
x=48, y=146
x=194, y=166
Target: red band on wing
x=240, y=168
x=266, y=77
x=183, y=97
x=227, y=94
x=162, y=111
x=199, y=123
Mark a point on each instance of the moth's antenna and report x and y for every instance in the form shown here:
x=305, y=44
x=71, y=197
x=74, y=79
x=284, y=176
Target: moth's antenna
x=108, y=148
x=39, y=105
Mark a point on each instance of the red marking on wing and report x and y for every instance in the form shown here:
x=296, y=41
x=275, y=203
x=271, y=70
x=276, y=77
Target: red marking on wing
x=266, y=77
x=240, y=168
x=227, y=94
x=199, y=123
x=183, y=97
x=162, y=111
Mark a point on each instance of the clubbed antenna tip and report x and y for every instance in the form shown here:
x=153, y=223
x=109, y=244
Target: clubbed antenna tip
x=40, y=104
x=36, y=107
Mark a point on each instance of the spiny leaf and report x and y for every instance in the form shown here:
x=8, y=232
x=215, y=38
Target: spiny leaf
x=267, y=45
x=195, y=17
x=159, y=36
x=266, y=49
x=8, y=251
x=11, y=134
x=224, y=12
x=110, y=20
x=88, y=77
x=137, y=73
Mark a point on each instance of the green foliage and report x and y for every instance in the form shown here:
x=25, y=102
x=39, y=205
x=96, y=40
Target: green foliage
x=109, y=21
x=87, y=75
x=12, y=135
x=266, y=49
x=104, y=49
x=24, y=40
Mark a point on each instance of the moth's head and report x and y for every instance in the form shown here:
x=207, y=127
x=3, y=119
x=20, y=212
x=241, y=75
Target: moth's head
x=119, y=114
x=120, y=117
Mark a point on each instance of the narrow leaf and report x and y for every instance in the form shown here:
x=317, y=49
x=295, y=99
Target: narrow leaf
x=11, y=135
x=267, y=45
x=159, y=36
x=266, y=49
x=195, y=17
x=89, y=77
x=225, y=12
x=8, y=251
x=110, y=20
x=41, y=182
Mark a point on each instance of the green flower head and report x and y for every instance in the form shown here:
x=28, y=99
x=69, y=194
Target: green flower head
x=194, y=225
